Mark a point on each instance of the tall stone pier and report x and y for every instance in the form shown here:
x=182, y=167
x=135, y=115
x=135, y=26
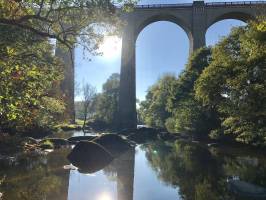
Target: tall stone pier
x=194, y=18
x=67, y=84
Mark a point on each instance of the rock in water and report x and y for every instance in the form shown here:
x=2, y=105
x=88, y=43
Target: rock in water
x=114, y=143
x=89, y=156
x=247, y=190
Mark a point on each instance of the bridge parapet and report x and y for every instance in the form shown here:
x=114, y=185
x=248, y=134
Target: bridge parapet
x=209, y=4
x=235, y=3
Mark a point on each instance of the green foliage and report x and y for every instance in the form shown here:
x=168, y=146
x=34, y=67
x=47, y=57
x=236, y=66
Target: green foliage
x=204, y=191
x=28, y=69
x=105, y=104
x=189, y=115
x=28, y=72
x=153, y=110
x=47, y=144
x=170, y=103
x=65, y=20
x=234, y=83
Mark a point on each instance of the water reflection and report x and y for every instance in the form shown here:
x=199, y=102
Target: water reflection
x=202, y=173
x=35, y=177
x=125, y=175
x=160, y=170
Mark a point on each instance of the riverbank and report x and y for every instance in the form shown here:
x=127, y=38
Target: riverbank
x=11, y=145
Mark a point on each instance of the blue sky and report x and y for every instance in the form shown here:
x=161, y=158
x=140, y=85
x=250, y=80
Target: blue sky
x=162, y=47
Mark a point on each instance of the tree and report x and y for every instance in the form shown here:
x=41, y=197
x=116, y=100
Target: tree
x=30, y=74
x=153, y=110
x=106, y=103
x=234, y=84
x=30, y=77
x=170, y=103
x=188, y=115
x=63, y=20
x=89, y=93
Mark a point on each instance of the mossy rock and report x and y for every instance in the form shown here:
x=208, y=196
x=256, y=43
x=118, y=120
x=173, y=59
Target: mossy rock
x=69, y=127
x=56, y=142
x=46, y=144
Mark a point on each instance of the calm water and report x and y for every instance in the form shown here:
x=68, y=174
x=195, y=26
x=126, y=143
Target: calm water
x=154, y=171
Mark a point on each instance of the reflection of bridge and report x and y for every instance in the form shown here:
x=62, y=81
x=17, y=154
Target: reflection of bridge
x=125, y=175
x=194, y=19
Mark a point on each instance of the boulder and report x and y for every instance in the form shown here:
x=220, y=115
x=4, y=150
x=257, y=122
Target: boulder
x=89, y=157
x=76, y=139
x=114, y=143
x=246, y=190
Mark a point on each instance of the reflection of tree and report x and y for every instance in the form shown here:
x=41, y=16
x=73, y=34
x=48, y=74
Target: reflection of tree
x=190, y=167
x=204, y=191
x=247, y=168
x=37, y=178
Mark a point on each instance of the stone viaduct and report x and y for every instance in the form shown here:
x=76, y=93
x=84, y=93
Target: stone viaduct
x=194, y=18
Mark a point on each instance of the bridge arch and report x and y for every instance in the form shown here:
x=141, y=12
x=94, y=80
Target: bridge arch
x=162, y=17
x=242, y=16
x=162, y=48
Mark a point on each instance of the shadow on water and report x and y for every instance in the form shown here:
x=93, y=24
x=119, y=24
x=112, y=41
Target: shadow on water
x=154, y=171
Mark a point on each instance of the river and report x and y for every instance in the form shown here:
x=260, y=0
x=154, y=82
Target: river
x=157, y=170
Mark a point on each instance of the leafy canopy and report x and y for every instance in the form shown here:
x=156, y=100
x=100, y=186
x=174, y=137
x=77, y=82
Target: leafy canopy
x=234, y=83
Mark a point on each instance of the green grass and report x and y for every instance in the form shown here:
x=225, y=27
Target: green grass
x=79, y=122
x=68, y=127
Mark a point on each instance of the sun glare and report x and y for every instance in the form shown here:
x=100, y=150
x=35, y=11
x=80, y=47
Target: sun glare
x=104, y=196
x=111, y=47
